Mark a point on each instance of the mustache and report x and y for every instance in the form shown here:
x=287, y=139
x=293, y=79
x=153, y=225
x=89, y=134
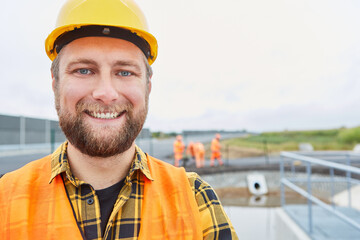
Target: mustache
x=86, y=106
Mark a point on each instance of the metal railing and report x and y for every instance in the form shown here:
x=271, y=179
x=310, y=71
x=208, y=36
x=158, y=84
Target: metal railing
x=309, y=162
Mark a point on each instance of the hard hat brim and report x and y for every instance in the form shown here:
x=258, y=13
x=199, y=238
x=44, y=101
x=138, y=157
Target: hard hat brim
x=55, y=34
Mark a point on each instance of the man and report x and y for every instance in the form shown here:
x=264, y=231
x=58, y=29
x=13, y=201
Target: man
x=199, y=154
x=178, y=150
x=216, y=151
x=99, y=184
x=190, y=151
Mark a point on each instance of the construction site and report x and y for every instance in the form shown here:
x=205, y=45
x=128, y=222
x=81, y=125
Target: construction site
x=288, y=195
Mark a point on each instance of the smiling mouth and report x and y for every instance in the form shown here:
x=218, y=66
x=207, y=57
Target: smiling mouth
x=104, y=115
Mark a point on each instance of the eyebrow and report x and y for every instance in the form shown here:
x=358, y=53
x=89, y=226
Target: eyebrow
x=81, y=61
x=94, y=63
x=128, y=64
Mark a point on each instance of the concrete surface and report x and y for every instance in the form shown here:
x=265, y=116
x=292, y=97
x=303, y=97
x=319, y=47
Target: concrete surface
x=264, y=223
x=326, y=226
x=342, y=198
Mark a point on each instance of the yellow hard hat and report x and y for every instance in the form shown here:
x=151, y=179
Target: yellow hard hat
x=101, y=18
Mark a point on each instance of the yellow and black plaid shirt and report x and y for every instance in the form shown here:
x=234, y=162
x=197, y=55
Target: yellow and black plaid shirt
x=124, y=222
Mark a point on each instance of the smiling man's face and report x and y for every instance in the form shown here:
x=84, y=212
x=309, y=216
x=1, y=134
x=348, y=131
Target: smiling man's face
x=101, y=94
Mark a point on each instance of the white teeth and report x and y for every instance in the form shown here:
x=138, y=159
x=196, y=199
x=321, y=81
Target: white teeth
x=104, y=115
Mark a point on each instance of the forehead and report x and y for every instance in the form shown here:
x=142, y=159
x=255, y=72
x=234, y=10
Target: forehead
x=103, y=50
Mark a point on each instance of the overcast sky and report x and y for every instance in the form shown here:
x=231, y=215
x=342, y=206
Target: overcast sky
x=259, y=65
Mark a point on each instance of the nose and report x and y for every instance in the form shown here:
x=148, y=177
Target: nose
x=105, y=90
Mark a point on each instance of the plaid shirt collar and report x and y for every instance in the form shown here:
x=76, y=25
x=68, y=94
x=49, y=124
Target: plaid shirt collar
x=60, y=164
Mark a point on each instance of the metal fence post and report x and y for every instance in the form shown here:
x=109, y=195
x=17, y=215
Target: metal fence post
x=332, y=186
x=348, y=178
x=282, y=187
x=292, y=167
x=308, y=171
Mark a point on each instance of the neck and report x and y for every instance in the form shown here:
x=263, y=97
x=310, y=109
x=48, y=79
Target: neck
x=100, y=172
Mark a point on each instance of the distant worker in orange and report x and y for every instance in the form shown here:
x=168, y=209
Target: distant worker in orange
x=178, y=149
x=215, y=150
x=190, y=150
x=199, y=154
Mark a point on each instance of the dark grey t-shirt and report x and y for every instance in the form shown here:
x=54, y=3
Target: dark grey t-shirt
x=107, y=198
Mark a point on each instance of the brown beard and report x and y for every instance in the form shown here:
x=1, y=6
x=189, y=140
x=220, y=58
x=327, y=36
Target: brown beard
x=104, y=141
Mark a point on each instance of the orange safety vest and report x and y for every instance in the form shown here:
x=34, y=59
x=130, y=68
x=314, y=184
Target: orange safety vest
x=191, y=149
x=31, y=208
x=199, y=148
x=215, y=145
x=179, y=147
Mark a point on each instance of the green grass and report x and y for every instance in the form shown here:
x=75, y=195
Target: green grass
x=162, y=135
x=333, y=139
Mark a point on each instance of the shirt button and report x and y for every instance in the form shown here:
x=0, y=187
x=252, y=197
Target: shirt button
x=90, y=201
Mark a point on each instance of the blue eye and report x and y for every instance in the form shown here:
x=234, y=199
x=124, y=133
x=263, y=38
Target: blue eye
x=124, y=73
x=84, y=71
